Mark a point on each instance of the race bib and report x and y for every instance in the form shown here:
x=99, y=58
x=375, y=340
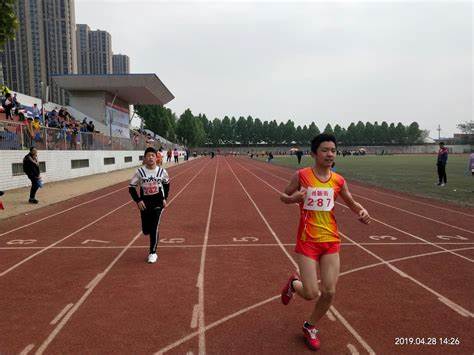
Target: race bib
x=319, y=199
x=150, y=188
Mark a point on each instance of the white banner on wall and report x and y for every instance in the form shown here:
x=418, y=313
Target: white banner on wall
x=120, y=120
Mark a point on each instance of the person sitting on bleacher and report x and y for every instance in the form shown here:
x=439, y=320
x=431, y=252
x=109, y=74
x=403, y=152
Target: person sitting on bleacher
x=7, y=104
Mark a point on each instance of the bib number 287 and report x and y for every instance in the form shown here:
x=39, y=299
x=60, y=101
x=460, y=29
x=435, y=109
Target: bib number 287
x=319, y=199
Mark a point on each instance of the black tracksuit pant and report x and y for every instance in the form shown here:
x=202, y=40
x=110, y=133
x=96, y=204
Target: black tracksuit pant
x=34, y=187
x=442, y=173
x=150, y=223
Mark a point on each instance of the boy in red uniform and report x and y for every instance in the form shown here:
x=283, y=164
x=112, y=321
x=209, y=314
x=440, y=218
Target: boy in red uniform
x=318, y=242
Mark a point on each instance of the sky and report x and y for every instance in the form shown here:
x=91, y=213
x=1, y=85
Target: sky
x=322, y=61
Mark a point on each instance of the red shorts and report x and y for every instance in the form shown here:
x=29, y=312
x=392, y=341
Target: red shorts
x=315, y=250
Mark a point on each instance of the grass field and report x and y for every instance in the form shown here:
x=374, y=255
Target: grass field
x=414, y=174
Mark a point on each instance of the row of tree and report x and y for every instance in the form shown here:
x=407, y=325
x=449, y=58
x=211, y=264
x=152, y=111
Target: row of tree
x=199, y=130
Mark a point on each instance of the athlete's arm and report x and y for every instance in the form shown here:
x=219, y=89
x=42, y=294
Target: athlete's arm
x=132, y=189
x=356, y=207
x=292, y=193
x=166, y=187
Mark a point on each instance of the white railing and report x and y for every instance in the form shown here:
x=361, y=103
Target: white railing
x=23, y=135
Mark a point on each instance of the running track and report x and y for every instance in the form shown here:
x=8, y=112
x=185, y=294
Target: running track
x=73, y=276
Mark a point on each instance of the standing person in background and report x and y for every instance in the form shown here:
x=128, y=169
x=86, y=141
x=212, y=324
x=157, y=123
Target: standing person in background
x=299, y=154
x=90, y=129
x=270, y=157
x=176, y=155
x=84, y=135
x=441, y=163
x=470, y=165
x=32, y=170
x=169, y=153
x=7, y=105
x=37, y=113
x=16, y=104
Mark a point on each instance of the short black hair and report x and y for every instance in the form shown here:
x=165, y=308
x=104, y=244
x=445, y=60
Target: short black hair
x=31, y=149
x=320, y=138
x=150, y=150
x=441, y=143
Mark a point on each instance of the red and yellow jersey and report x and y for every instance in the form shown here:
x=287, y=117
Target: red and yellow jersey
x=317, y=220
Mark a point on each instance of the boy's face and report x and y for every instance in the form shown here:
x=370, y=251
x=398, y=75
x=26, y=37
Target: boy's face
x=325, y=154
x=150, y=159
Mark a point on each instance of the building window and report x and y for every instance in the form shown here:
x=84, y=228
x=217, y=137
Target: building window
x=128, y=159
x=17, y=168
x=109, y=161
x=79, y=163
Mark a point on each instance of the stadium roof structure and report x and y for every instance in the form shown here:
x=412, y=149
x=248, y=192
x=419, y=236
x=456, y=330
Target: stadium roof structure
x=146, y=89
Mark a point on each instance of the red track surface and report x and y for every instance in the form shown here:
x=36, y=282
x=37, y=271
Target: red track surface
x=76, y=281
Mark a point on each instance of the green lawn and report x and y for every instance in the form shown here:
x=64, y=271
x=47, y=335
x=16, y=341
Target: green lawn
x=415, y=174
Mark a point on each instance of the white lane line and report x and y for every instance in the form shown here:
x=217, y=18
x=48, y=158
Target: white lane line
x=213, y=325
x=86, y=294
x=401, y=259
x=95, y=280
x=200, y=282
x=224, y=245
x=414, y=214
x=194, y=319
x=61, y=240
x=464, y=312
x=26, y=350
x=411, y=200
x=374, y=219
x=415, y=236
x=333, y=309
x=61, y=212
x=68, y=209
x=330, y=315
x=354, y=333
x=352, y=349
x=61, y=314
x=70, y=235
x=455, y=307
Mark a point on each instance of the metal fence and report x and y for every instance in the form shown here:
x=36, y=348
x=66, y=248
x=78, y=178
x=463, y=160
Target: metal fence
x=23, y=135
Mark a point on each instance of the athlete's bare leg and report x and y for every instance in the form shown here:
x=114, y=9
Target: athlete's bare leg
x=308, y=287
x=329, y=270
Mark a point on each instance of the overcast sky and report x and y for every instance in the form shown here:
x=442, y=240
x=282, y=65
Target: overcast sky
x=336, y=62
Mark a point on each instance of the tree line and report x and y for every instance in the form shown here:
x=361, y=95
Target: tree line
x=198, y=130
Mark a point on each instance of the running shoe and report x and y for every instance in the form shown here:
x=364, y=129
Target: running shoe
x=33, y=200
x=152, y=258
x=311, y=337
x=287, y=291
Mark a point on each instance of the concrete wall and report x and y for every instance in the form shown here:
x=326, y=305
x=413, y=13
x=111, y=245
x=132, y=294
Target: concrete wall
x=58, y=165
x=92, y=104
